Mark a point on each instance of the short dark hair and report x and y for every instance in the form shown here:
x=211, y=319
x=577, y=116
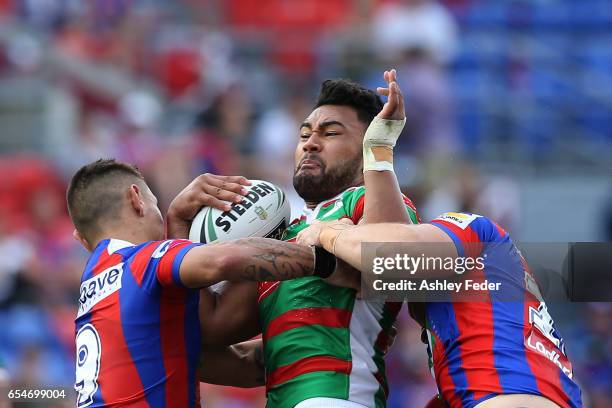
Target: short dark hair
x=348, y=93
x=95, y=192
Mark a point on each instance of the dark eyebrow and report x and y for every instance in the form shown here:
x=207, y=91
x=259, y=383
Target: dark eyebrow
x=332, y=122
x=322, y=125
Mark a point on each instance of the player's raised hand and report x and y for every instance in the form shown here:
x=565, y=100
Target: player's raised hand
x=394, y=108
x=206, y=190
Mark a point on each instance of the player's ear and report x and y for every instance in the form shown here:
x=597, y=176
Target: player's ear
x=77, y=235
x=136, y=200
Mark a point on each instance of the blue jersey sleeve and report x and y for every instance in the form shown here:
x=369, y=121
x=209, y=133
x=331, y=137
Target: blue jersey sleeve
x=469, y=232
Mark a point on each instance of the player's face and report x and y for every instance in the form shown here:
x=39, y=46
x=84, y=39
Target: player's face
x=328, y=157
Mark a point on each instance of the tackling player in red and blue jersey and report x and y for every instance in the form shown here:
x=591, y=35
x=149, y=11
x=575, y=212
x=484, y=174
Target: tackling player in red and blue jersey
x=502, y=350
x=137, y=327
x=138, y=333
x=508, y=345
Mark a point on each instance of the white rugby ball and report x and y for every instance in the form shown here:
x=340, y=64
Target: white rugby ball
x=264, y=212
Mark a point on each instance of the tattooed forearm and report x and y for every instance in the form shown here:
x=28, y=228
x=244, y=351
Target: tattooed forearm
x=263, y=259
x=259, y=274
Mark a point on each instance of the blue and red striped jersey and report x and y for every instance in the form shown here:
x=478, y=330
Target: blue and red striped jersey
x=481, y=349
x=137, y=328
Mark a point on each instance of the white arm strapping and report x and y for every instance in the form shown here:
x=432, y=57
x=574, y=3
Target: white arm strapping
x=380, y=133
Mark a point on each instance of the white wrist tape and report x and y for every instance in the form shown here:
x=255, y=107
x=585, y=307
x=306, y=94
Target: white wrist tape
x=380, y=133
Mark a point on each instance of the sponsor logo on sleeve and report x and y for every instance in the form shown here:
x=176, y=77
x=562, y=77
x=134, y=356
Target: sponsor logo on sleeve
x=459, y=219
x=162, y=249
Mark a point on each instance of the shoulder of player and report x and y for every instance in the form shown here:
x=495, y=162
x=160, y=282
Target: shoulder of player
x=459, y=219
x=354, y=198
x=152, y=249
x=353, y=192
x=487, y=229
x=351, y=196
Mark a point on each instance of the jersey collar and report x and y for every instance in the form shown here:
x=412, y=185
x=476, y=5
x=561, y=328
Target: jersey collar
x=312, y=215
x=115, y=245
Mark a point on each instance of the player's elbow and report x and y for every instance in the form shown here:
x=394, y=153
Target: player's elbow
x=218, y=269
x=251, y=358
x=205, y=269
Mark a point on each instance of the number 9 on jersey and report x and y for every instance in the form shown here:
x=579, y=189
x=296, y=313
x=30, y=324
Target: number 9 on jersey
x=88, y=353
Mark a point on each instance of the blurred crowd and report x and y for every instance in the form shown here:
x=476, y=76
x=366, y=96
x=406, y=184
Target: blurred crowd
x=186, y=87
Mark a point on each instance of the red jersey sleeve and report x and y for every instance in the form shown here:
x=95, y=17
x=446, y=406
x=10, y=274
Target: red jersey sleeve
x=459, y=227
x=158, y=263
x=171, y=254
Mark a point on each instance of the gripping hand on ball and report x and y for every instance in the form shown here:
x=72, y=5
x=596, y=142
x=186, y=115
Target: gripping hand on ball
x=206, y=190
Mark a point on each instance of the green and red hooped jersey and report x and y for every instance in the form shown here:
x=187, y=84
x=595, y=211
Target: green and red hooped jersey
x=319, y=340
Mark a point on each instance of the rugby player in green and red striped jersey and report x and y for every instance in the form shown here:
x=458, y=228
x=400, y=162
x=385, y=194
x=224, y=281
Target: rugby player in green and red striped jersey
x=322, y=347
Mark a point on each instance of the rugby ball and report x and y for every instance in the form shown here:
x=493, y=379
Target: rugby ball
x=264, y=212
